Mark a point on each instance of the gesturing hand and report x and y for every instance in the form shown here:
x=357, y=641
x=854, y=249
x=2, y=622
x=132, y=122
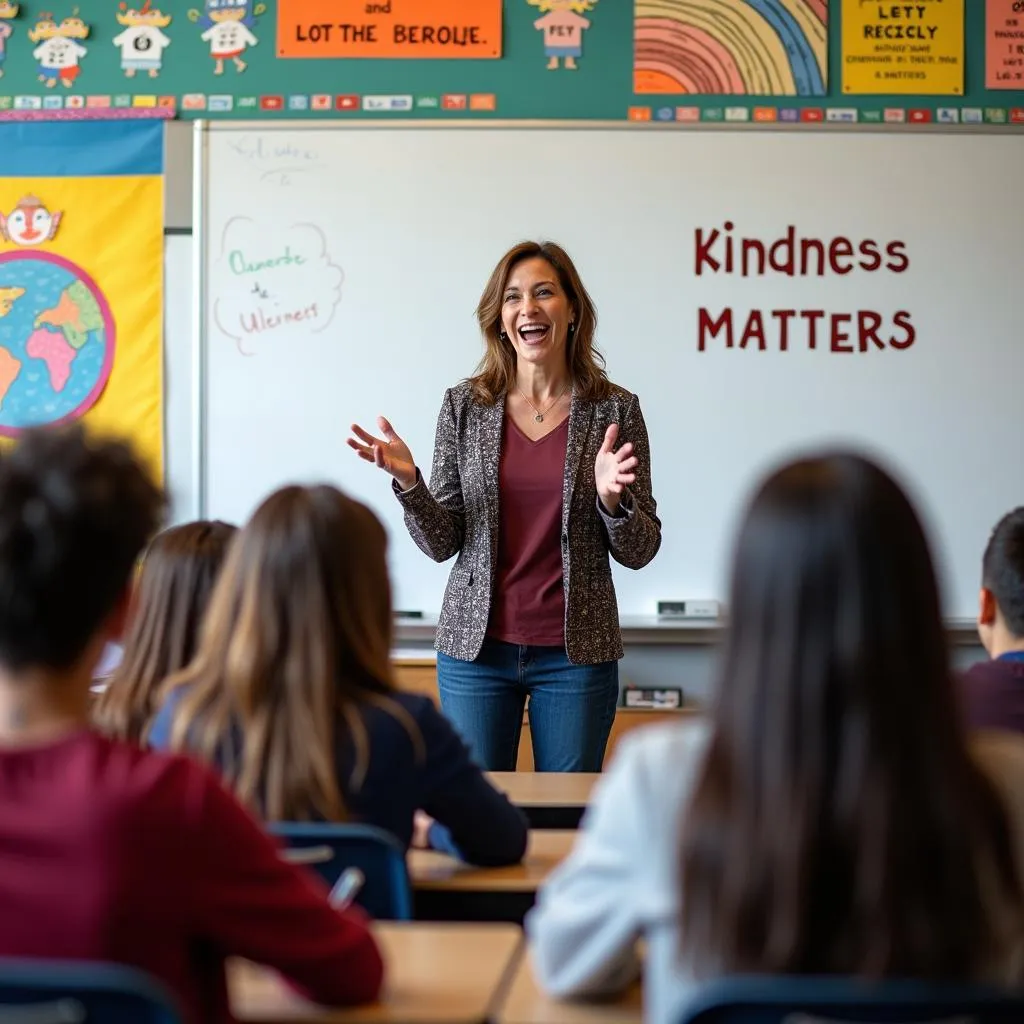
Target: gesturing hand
x=390, y=454
x=613, y=471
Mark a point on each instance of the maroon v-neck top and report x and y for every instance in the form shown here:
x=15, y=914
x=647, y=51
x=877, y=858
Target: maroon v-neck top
x=529, y=603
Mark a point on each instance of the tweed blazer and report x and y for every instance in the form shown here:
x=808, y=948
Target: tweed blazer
x=457, y=514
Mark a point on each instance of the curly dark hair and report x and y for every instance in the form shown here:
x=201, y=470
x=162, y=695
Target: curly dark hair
x=75, y=512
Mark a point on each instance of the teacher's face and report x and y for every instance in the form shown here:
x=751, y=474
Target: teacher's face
x=535, y=312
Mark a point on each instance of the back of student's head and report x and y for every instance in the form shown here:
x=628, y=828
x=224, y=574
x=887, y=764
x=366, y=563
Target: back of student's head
x=75, y=512
x=298, y=632
x=171, y=595
x=839, y=822
x=1002, y=572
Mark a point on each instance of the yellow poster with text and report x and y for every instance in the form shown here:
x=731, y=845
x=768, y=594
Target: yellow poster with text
x=903, y=48
x=81, y=306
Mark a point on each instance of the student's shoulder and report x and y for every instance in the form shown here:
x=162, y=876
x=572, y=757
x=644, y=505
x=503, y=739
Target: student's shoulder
x=664, y=756
x=150, y=784
x=396, y=713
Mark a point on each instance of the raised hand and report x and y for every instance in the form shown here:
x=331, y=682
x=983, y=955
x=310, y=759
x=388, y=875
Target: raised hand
x=389, y=453
x=613, y=470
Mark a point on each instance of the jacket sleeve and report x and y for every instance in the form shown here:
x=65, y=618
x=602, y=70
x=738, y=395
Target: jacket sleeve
x=250, y=902
x=473, y=821
x=434, y=515
x=634, y=533
x=585, y=925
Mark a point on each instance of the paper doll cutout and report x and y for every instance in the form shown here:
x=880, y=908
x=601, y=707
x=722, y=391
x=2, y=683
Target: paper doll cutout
x=142, y=42
x=8, y=12
x=563, y=26
x=228, y=25
x=59, y=51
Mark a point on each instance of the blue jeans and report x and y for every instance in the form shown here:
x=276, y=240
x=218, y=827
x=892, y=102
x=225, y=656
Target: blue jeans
x=571, y=706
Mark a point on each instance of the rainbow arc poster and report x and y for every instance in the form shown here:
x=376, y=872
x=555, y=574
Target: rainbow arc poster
x=736, y=47
x=81, y=279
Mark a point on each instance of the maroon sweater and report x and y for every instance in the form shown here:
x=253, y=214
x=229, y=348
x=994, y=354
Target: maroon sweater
x=112, y=853
x=529, y=599
x=993, y=694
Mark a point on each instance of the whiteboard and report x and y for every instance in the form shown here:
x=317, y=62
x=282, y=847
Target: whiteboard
x=340, y=266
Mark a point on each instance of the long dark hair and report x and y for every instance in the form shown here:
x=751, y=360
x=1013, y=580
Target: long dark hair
x=174, y=585
x=496, y=373
x=839, y=824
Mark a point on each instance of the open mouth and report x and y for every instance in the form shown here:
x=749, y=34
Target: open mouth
x=534, y=333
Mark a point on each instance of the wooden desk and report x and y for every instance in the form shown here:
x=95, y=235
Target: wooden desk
x=548, y=799
x=436, y=974
x=429, y=869
x=525, y=1003
x=546, y=789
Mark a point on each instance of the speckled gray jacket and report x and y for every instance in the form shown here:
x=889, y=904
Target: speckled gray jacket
x=458, y=514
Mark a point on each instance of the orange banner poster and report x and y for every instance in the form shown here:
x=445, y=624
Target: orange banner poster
x=392, y=28
x=1004, y=44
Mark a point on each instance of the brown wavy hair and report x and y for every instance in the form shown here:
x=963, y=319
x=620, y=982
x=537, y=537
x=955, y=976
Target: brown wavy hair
x=296, y=643
x=496, y=374
x=171, y=594
x=840, y=824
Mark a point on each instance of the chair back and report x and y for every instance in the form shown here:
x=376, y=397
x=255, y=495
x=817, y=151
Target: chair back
x=331, y=848
x=817, y=1000
x=79, y=992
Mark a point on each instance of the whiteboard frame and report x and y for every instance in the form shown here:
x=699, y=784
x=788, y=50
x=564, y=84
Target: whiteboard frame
x=961, y=630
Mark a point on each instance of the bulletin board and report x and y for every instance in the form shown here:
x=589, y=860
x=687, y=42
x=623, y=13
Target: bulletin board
x=760, y=61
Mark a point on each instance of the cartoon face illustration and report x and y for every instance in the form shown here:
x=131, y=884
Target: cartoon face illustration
x=29, y=223
x=147, y=14
x=45, y=28
x=8, y=9
x=8, y=296
x=227, y=10
x=74, y=28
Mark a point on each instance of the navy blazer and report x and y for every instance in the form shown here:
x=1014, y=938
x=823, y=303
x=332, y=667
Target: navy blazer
x=474, y=821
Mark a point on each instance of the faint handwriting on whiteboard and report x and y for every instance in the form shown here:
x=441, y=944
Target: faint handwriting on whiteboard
x=270, y=282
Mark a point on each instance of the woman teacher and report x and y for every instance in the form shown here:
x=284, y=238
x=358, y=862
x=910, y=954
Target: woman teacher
x=541, y=471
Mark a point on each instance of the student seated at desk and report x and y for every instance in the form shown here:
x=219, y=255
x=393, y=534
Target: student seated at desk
x=291, y=691
x=830, y=817
x=170, y=599
x=109, y=852
x=994, y=690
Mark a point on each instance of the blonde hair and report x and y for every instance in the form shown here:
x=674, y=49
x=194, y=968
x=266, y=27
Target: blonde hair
x=577, y=6
x=296, y=643
x=496, y=373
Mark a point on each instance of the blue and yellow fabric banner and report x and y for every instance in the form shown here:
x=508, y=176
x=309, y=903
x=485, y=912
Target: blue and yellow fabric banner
x=81, y=279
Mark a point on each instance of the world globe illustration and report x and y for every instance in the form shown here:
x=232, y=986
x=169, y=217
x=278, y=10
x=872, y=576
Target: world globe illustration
x=56, y=341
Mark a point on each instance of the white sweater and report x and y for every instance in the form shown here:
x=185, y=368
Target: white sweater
x=620, y=883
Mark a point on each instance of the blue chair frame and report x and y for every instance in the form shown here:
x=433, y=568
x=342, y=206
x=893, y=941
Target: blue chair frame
x=331, y=848
x=774, y=1000
x=81, y=992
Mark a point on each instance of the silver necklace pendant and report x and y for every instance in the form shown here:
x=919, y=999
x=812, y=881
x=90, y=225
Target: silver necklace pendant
x=538, y=418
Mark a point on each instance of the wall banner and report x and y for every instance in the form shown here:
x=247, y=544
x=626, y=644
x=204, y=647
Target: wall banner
x=81, y=279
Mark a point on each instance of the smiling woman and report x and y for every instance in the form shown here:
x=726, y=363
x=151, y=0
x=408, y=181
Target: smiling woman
x=530, y=608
